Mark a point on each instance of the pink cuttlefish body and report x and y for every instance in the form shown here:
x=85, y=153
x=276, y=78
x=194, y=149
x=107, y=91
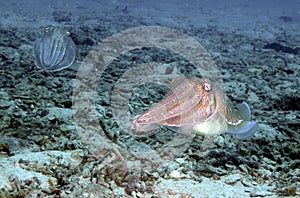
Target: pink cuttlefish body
x=198, y=105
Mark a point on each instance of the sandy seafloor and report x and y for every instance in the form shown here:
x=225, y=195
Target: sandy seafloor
x=43, y=154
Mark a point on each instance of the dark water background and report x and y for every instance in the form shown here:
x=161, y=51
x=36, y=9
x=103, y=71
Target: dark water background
x=229, y=11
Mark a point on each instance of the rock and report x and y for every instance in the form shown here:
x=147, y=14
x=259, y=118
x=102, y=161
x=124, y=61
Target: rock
x=173, y=166
x=267, y=36
x=5, y=103
x=180, y=160
x=34, y=167
x=220, y=141
x=61, y=114
x=8, y=53
x=4, y=95
x=232, y=179
x=4, y=99
x=260, y=191
x=208, y=169
x=25, y=47
x=286, y=18
x=175, y=174
x=253, y=98
x=246, y=183
x=243, y=168
x=281, y=48
x=247, y=47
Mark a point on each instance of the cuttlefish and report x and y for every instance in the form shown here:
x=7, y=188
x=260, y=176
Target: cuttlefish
x=55, y=50
x=197, y=105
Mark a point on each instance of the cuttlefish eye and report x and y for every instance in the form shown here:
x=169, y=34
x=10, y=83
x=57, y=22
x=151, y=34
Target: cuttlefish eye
x=207, y=86
x=47, y=29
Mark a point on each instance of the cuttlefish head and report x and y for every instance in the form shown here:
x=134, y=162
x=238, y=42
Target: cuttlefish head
x=197, y=105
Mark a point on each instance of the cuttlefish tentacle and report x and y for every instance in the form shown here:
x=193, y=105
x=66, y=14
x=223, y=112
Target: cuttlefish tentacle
x=198, y=105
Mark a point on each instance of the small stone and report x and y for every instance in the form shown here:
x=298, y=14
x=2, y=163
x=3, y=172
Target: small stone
x=171, y=192
x=211, y=169
x=259, y=192
x=4, y=95
x=220, y=141
x=247, y=47
x=268, y=161
x=253, y=97
x=268, y=36
x=175, y=174
x=173, y=166
x=289, y=191
x=180, y=160
x=62, y=114
x=243, y=168
x=232, y=179
x=4, y=103
x=247, y=183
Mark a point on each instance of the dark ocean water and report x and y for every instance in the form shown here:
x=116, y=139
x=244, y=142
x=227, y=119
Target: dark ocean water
x=248, y=9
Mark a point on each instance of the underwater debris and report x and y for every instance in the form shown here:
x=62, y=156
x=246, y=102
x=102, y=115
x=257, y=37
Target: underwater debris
x=55, y=50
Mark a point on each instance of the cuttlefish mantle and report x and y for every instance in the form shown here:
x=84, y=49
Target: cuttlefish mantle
x=200, y=106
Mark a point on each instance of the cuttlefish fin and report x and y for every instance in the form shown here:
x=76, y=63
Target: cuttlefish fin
x=214, y=125
x=244, y=111
x=245, y=128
